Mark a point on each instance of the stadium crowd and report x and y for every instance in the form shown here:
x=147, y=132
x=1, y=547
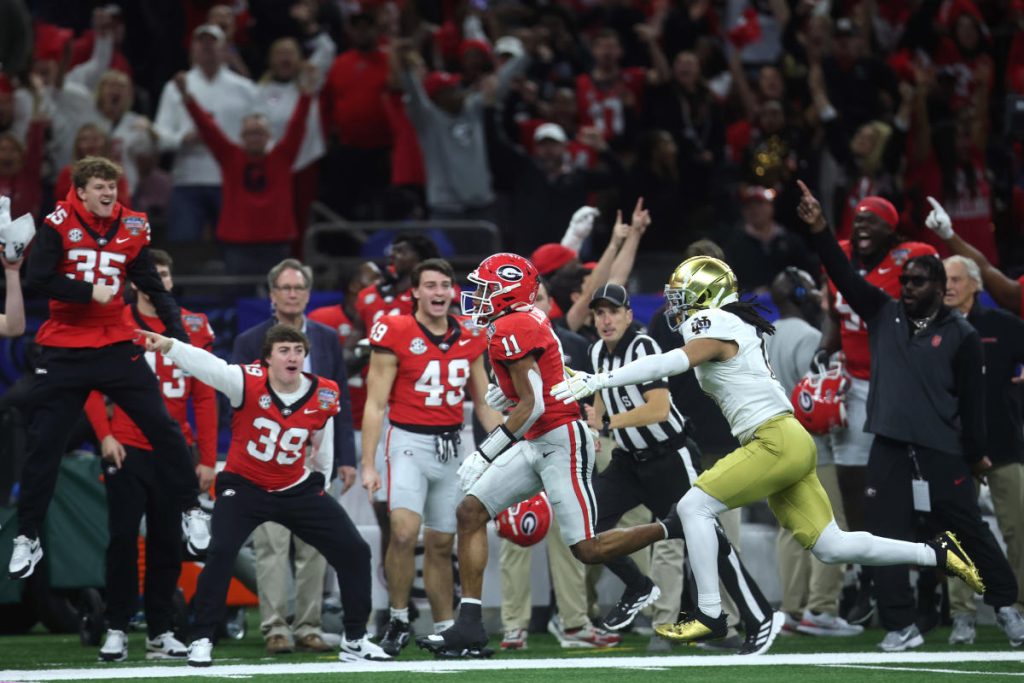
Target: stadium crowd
x=739, y=132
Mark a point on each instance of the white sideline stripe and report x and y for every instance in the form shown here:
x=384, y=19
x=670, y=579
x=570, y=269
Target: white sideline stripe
x=921, y=670
x=115, y=671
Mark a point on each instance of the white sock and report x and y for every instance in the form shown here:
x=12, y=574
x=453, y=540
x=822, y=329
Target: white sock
x=835, y=545
x=443, y=625
x=470, y=601
x=699, y=512
x=401, y=614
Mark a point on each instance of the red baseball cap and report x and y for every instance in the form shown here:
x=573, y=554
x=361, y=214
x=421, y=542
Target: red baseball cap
x=882, y=208
x=470, y=44
x=50, y=41
x=550, y=257
x=436, y=81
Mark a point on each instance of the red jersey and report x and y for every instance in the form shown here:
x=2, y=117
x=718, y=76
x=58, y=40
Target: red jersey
x=98, y=252
x=268, y=438
x=606, y=108
x=372, y=304
x=853, y=333
x=336, y=319
x=524, y=333
x=352, y=96
x=432, y=371
x=175, y=386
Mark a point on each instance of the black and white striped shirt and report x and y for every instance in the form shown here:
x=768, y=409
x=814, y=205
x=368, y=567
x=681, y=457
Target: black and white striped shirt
x=616, y=400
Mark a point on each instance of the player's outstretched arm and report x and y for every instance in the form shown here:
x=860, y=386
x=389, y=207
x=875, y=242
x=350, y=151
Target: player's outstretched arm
x=647, y=369
x=201, y=364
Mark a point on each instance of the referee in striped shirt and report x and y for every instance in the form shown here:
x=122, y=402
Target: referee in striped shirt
x=654, y=464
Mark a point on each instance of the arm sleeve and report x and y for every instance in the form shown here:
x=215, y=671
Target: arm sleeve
x=43, y=276
x=143, y=275
x=322, y=459
x=643, y=349
x=209, y=369
x=210, y=132
x=968, y=367
x=416, y=101
x=204, y=405
x=96, y=411
x=537, y=384
x=650, y=368
x=864, y=298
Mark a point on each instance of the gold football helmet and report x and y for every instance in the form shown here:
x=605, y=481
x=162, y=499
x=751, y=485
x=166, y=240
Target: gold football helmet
x=698, y=283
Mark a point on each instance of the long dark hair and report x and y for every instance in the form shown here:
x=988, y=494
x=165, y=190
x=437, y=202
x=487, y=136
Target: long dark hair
x=747, y=312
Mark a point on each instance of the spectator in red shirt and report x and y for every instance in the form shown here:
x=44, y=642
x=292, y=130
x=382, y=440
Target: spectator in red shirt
x=256, y=224
x=357, y=169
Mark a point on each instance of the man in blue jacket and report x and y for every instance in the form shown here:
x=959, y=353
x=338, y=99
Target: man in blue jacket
x=290, y=283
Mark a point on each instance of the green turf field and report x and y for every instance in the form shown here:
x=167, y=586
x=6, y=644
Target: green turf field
x=41, y=656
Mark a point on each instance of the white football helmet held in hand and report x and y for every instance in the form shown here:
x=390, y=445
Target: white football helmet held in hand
x=938, y=220
x=15, y=235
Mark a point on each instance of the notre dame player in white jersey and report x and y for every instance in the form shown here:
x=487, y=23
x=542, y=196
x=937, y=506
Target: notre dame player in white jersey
x=776, y=459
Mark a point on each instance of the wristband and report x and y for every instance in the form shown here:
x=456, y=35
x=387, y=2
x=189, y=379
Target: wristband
x=496, y=443
x=606, y=424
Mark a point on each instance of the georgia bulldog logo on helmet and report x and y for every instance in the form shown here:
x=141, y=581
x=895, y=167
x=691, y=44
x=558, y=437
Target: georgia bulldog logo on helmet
x=504, y=282
x=819, y=399
x=526, y=523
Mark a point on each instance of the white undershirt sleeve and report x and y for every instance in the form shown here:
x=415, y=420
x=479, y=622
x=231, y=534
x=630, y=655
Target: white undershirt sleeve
x=210, y=370
x=649, y=368
x=322, y=458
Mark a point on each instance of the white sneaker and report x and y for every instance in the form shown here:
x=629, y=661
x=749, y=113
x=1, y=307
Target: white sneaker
x=115, y=647
x=1012, y=623
x=898, y=641
x=963, y=630
x=827, y=625
x=362, y=650
x=514, y=639
x=200, y=652
x=584, y=637
x=165, y=646
x=26, y=555
x=195, y=524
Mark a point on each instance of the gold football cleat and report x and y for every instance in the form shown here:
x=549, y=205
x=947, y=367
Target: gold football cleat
x=957, y=562
x=694, y=630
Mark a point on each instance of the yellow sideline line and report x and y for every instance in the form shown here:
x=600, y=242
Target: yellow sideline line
x=116, y=671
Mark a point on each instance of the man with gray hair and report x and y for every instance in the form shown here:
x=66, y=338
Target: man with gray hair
x=1002, y=337
x=290, y=283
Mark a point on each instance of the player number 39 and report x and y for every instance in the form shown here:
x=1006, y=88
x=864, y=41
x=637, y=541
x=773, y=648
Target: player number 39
x=266, y=446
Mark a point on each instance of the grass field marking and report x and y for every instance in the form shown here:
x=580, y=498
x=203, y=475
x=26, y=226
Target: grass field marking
x=921, y=670
x=116, y=672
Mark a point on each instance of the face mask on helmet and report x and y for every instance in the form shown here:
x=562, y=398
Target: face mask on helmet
x=819, y=399
x=698, y=283
x=503, y=282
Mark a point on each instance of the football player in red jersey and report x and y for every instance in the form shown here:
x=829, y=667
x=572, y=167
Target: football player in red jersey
x=280, y=414
x=84, y=253
x=876, y=250
x=542, y=445
x=133, y=486
x=420, y=367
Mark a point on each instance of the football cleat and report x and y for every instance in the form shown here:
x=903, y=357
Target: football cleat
x=24, y=558
x=625, y=610
x=165, y=646
x=695, y=628
x=758, y=642
x=397, y=635
x=200, y=652
x=951, y=558
x=362, y=650
x=115, y=647
x=463, y=640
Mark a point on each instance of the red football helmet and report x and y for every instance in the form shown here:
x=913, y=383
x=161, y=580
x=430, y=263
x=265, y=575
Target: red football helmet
x=503, y=282
x=819, y=399
x=526, y=523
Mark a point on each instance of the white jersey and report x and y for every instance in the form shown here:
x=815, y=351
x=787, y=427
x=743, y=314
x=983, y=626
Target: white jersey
x=744, y=387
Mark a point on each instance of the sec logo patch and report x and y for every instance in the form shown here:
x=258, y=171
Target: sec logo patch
x=264, y=401
x=75, y=235
x=418, y=346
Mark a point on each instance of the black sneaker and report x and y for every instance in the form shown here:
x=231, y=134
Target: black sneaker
x=694, y=628
x=863, y=608
x=397, y=635
x=760, y=640
x=463, y=640
x=625, y=610
x=673, y=525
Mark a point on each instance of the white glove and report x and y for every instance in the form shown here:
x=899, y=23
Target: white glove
x=496, y=399
x=938, y=220
x=579, y=385
x=16, y=235
x=580, y=226
x=471, y=469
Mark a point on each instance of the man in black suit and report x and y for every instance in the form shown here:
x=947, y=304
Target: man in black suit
x=290, y=283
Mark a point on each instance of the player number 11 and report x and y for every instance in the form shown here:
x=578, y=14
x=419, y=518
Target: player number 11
x=511, y=345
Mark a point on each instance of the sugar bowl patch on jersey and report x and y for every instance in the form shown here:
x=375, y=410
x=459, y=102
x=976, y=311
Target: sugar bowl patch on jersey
x=137, y=225
x=327, y=399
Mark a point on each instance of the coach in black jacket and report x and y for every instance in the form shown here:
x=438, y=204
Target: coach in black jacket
x=926, y=409
x=290, y=283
